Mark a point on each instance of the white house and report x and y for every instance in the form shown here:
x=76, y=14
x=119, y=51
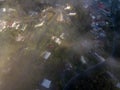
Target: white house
x=46, y=83
x=40, y=24
x=82, y=59
x=46, y=55
x=62, y=36
x=68, y=7
x=72, y=14
x=58, y=41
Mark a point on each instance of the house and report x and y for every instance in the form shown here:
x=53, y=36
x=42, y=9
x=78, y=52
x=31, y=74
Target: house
x=62, y=36
x=24, y=26
x=14, y=24
x=4, y=9
x=58, y=41
x=68, y=66
x=20, y=38
x=40, y=24
x=2, y=25
x=46, y=83
x=46, y=55
x=82, y=59
x=68, y=7
x=72, y=14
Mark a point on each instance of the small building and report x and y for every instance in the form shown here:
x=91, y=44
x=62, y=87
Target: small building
x=93, y=17
x=4, y=9
x=46, y=83
x=68, y=66
x=46, y=55
x=53, y=37
x=40, y=24
x=72, y=14
x=62, y=36
x=23, y=28
x=68, y=7
x=20, y=38
x=83, y=61
x=58, y=41
x=2, y=25
x=15, y=24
